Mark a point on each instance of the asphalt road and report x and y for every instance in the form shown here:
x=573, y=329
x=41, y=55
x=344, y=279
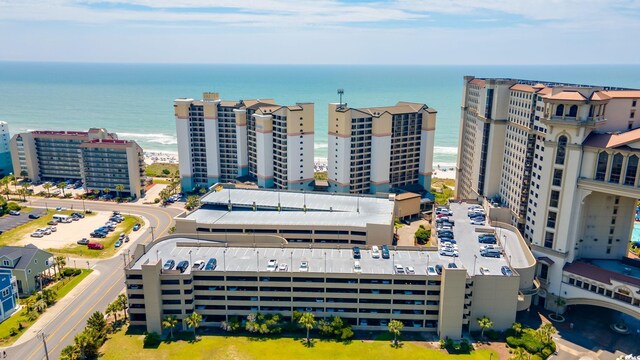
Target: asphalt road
x=71, y=320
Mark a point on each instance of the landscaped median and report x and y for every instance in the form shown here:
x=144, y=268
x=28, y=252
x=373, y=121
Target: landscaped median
x=126, y=226
x=37, y=304
x=124, y=343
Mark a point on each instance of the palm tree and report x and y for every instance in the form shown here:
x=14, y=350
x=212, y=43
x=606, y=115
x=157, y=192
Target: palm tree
x=47, y=186
x=520, y=354
x=119, y=188
x=24, y=189
x=40, y=305
x=60, y=262
x=106, y=191
x=170, y=322
x=308, y=321
x=484, y=323
x=83, y=341
x=5, y=181
x=193, y=321
x=123, y=304
x=61, y=186
x=24, y=174
x=395, y=326
x=112, y=309
x=546, y=331
x=48, y=295
x=517, y=328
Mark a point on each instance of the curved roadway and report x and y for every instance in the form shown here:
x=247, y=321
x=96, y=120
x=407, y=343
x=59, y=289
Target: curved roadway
x=71, y=320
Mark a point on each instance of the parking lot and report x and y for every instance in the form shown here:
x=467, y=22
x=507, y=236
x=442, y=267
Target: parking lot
x=67, y=233
x=466, y=236
x=9, y=222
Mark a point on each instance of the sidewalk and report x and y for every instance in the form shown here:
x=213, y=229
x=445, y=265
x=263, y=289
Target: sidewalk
x=53, y=312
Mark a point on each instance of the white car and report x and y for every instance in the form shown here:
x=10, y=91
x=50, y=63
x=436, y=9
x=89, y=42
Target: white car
x=375, y=252
x=476, y=222
x=37, y=234
x=410, y=270
x=282, y=267
x=446, y=244
x=399, y=269
x=356, y=267
x=44, y=231
x=304, y=266
x=272, y=265
x=52, y=228
x=448, y=252
x=431, y=270
x=198, y=265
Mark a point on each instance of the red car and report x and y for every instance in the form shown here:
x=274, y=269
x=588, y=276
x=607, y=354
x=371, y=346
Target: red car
x=95, y=246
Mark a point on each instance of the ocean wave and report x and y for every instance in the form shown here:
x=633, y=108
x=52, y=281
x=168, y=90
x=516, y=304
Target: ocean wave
x=320, y=146
x=163, y=139
x=445, y=150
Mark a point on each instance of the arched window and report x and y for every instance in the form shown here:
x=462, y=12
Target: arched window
x=632, y=168
x=560, y=110
x=616, y=168
x=573, y=111
x=601, y=168
x=562, y=149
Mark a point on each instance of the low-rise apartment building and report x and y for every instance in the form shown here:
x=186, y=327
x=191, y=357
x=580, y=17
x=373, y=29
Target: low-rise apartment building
x=94, y=157
x=27, y=264
x=8, y=294
x=563, y=159
x=275, y=277
x=225, y=141
x=378, y=149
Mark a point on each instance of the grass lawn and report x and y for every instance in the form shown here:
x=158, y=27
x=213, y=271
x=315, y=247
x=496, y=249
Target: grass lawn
x=442, y=190
x=162, y=181
x=121, y=346
x=11, y=236
x=109, y=249
x=156, y=169
x=62, y=288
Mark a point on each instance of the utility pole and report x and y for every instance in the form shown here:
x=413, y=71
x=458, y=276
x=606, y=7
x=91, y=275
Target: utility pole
x=44, y=342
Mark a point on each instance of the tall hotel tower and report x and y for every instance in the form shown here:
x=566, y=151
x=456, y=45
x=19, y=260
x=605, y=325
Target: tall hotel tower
x=222, y=141
x=561, y=161
x=377, y=149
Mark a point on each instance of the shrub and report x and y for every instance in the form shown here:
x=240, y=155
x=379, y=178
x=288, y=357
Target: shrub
x=13, y=332
x=156, y=200
x=422, y=235
x=151, y=339
x=492, y=335
x=13, y=206
x=71, y=272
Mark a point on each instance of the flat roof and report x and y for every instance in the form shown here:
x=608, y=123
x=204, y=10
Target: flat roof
x=296, y=208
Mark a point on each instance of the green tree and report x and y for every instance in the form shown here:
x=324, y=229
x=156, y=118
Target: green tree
x=119, y=188
x=520, y=354
x=484, y=323
x=87, y=343
x=5, y=181
x=193, y=202
x=97, y=323
x=325, y=328
x=47, y=186
x=24, y=190
x=40, y=305
x=517, y=328
x=307, y=321
x=123, y=304
x=112, y=309
x=422, y=235
x=70, y=352
x=60, y=262
x=106, y=191
x=546, y=333
x=193, y=321
x=170, y=322
x=395, y=327
x=24, y=174
x=61, y=186
x=48, y=295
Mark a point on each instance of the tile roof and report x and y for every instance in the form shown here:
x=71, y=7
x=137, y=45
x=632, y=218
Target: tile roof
x=479, y=82
x=599, y=95
x=624, y=94
x=523, y=87
x=25, y=254
x=612, y=140
x=567, y=95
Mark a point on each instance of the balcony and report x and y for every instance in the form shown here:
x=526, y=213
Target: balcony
x=609, y=187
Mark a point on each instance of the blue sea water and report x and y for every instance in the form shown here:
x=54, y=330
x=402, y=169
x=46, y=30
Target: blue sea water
x=136, y=100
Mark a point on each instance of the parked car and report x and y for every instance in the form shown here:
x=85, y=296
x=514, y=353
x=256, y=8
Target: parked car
x=356, y=267
x=375, y=252
x=14, y=212
x=439, y=269
x=484, y=270
x=431, y=270
x=487, y=239
x=304, y=266
x=490, y=253
x=37, y=234
x=52, y=222
x=169, y=264
x=448, y=252
x=97, y=234
x=183, y=266
x=95, y=246
x=282, y=267
x=34, y=216
x=356, y=252
x=385, y=252
x=399, y=269
x=78, y=214
x=211, y=264
x=45, y=231
x=83, y=241
x=198, y=265
x=506, y=271
x=52, y=228
x=452, y=266
x=410, y=270
x=272, y=265
x=60, y=208
x=476, y=221
x=118, y=243
x=136, y=227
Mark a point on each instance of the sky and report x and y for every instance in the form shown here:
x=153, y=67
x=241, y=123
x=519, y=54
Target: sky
x=480, y=32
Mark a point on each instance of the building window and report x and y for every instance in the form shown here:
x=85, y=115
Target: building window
x=554, y=198
x=632, y=167
x=562, y=148
x=616, y=168
x=544, y=271
x=548, y=240
x=560, y=110
x=601, y=167
x=557, y=177
x=551, y=220
x=573, y=111
x=5, y=293
x=6, y=263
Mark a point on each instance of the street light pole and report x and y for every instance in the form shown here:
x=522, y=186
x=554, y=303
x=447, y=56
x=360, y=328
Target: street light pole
x=224, y=258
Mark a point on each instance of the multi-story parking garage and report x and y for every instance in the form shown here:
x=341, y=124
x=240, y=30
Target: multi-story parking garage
x=327, y=280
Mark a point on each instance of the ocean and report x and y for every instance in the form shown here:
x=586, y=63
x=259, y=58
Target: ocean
x=136, y=100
